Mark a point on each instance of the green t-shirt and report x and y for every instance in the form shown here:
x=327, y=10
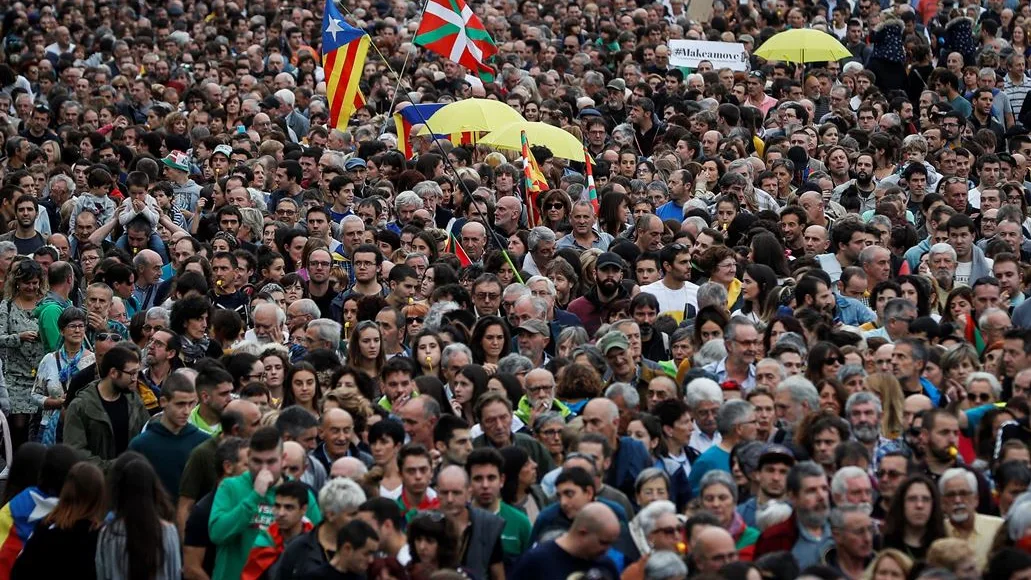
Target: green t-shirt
x=197, y=421
x=515, y=538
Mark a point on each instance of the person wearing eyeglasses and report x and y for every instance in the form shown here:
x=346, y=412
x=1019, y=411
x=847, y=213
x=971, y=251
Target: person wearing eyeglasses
x=104, y=417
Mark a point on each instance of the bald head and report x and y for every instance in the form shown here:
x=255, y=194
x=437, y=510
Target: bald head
x=295, y=460
x=913, y=406
x=603, y=406
x=249, y=411
x=348, y=467
x=712, y=548
x=453, y=475
x=594, y=529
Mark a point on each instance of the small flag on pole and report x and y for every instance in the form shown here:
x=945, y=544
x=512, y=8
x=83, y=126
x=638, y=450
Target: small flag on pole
x=536, y=183
x=592, y=191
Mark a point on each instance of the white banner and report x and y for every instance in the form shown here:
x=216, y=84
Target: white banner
x=688, y=53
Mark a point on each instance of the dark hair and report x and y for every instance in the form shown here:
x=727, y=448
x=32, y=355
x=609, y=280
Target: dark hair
x=578, y=476
x=514, y=460
x=288, y=391
x=265, y=439
x=24, y=469
x=413, y=450
x=485, y=456
x=895, y=519
x=117, y=358
x=480, y=330
x=445, y=429
x=293, y=420
x=356, y=534
x=386, y=429
x=437, y=526
x=383, y=510
x=295, y=489
x=140, y=503
x=82, y=497
x=187, y=309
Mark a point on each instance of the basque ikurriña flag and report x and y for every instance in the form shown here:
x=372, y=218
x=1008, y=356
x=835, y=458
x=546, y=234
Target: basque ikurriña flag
x=343, y=58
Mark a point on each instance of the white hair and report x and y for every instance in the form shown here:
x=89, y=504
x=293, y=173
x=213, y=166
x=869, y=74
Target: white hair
x=651, y=513
x=407, y=198
x=631, y=397
x=839, y=483
x=340, y=495
x=942, y=249
x=702, y=390
x=329, y=330
x=955, y=472
x=988, y=378
x=663, y=565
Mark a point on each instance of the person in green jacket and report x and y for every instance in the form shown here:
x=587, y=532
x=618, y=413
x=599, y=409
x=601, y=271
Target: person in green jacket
x=61, y=279
x=243, y=505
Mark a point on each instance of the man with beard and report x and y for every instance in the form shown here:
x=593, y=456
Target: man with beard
x=807, y=531
x=644, y=309
x=942, y=260
x=814, y=291
x=774, y=463
x=609, y=288
x=793, y=221
x=848, y=238
x=24, y=235
x=940, y=437
x=675, y=293
x=863, y=411
x=105, y=416
x=163, y=352
x=958, y=487
x=862, y=186
x=794, y=399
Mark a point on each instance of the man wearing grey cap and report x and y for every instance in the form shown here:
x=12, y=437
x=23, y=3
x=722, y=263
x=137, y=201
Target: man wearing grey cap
x=609, y=288
x=532, y=337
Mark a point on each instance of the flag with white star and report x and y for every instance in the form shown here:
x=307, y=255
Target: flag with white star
x=344, y=48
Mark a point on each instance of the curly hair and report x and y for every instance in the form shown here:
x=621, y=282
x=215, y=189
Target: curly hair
x=579, y=381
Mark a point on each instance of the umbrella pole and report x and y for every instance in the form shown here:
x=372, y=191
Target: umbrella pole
x=458, y=179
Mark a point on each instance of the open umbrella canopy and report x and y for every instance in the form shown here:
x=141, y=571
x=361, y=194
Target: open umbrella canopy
x=802, y=45
x=561, y=142
x=471, y=115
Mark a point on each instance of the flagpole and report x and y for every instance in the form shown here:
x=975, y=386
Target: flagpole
x=393, y=100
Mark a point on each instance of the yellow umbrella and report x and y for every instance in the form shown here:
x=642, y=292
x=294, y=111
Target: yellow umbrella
x=802, y=45
x=561, y=142
x=471, y=115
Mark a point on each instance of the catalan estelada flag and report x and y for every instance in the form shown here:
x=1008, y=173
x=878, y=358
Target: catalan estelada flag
x=17, y=520
x=343, y=58
x=413, y=115
x=408, y=117
x=536, y=183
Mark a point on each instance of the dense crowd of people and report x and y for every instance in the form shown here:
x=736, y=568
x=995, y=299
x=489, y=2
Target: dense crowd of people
x=779, y=330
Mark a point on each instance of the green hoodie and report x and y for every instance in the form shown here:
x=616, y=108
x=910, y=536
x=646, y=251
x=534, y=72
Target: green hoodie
x=47, y=312
x=238, y=515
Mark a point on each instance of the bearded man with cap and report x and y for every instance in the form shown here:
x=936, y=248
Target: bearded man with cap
x=609, y=288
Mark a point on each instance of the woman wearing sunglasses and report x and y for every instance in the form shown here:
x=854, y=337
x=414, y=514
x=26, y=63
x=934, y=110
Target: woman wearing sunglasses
x=824, y=360
x=20, y=344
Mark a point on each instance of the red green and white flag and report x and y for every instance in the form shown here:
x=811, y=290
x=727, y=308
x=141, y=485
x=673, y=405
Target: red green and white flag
x=592, y=191
x=451, y=29
x=452, y=245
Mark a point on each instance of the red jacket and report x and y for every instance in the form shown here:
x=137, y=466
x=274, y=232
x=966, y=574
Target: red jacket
x=778, y=538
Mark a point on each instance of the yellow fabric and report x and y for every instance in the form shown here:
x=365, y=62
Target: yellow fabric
x=733, y=292
x=981, y=538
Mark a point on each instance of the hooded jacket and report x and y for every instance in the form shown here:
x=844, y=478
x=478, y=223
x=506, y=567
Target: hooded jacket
x=88, y=430
x=167, y=451
x=47, y=312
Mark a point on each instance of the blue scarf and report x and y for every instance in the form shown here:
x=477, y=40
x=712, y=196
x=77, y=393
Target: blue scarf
x=68, y=367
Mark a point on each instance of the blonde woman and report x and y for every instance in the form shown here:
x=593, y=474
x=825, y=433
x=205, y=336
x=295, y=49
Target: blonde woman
x=890, y=564
x=954, y=555
x=887, y=387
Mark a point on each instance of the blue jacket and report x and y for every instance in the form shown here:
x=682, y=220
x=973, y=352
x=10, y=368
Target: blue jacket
x=931, y=391
x=630, y=459
x=670, y=211
x=852, y=312
x=913, y=254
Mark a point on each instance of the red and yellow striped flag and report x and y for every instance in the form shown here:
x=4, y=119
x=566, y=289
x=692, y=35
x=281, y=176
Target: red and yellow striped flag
x=344, y=48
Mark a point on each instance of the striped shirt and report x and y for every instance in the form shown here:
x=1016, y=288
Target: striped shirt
x=1016, y=93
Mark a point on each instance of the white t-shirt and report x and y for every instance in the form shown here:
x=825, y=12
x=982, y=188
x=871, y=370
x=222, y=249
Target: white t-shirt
x=963, y=273
x=673, y=300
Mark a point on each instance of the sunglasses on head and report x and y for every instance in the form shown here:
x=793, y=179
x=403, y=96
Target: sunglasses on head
x=101, y=337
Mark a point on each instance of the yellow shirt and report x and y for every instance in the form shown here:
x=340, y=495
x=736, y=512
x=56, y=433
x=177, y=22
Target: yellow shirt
x=981, y=538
